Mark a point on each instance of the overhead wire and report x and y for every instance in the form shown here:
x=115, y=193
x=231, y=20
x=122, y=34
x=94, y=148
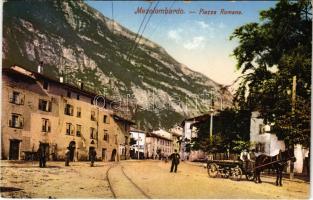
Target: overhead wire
x=143, y=20
x=136, y=43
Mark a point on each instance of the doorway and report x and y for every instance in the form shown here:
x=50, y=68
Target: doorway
x=104, y=154
x=14, y=149
x=72, y=147
x=113, y=156
x=90, y=149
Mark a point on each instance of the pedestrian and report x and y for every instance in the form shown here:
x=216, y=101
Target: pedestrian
x=67, y=156
x=245, y=158
x=92, y=156
x=42, y=156
x=175, y=161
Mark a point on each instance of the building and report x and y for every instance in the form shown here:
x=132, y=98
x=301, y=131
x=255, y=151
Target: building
x=137, y=151
x=159, y=144
x=266, y=142
x=189, y=132
x=41, y=112
x=177, y=133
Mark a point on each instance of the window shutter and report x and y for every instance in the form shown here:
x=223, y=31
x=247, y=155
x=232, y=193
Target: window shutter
x=22, y=99
x=21, y=120
x=72, y=129
x=71, y=110
x=10, y=123
x=18, y=99
x=11, y=96
x=49, y=126
x=50, y=106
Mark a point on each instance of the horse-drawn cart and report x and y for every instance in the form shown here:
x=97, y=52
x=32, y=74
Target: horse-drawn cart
x=230, y=169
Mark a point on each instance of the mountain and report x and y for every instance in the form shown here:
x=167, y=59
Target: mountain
x=77, y=41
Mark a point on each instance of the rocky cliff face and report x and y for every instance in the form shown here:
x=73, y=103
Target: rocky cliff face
x=73, y=39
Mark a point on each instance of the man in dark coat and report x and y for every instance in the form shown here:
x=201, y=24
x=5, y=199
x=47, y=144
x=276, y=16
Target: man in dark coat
x=42, y=156
x=67, y=156
x=175, y=161
x=92, y=156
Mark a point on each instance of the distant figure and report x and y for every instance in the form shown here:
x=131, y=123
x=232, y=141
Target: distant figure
x=67, y=156
x=245, y=158
x=92, y=156
x=175, y=160
x=42, y=156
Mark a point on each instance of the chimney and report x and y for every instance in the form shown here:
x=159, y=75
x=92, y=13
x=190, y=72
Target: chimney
x=40, y=67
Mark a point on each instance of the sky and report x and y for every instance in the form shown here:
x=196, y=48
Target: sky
x=196, y=38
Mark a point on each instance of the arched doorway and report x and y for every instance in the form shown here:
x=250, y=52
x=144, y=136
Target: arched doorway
x=113, y=155
x=72, y=147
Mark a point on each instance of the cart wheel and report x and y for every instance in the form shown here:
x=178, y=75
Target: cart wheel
x=212, y=170
x=250, y=175
x=236, y=173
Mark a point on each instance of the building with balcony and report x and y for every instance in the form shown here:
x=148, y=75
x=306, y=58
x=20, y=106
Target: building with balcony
x=41, y=112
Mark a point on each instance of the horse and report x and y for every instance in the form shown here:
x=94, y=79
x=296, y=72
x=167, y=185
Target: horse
x=277, y=163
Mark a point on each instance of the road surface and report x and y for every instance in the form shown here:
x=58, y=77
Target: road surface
x=135, y=179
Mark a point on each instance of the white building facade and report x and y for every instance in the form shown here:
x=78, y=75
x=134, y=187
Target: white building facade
x=138, y=149
x=267, y=143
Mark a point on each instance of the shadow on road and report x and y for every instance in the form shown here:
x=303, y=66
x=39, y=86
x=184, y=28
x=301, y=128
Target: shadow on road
x=9, y=189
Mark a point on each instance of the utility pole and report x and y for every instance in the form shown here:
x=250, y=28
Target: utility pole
x=211, y=118
x=293, y=107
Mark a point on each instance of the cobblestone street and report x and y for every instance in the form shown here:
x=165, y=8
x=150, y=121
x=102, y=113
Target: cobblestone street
x=134, y=179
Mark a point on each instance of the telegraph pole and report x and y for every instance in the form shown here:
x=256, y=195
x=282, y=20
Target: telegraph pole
x=293, y=107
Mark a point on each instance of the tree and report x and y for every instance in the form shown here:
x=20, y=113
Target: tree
x=270, y=53
x=230, y=128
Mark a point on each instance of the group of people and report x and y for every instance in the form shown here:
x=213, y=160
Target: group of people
x=247, y=157
x=42, y=155
x=92, y=156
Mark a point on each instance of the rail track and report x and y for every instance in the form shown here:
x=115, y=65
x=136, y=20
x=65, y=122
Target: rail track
x=116, y=191
x=108, y=179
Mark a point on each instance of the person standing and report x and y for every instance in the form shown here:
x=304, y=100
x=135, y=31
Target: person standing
x=175, y=161
x=42, y=156
x=92, y=156
x=67, y=156
x=245, y=158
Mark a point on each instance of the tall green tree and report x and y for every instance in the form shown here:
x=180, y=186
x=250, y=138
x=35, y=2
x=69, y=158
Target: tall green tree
x=231, y=129
x=270, y=53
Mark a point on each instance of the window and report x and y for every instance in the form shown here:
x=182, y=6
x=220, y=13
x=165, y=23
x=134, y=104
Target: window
x=260, y=147
x=106, y=136
x=77, y=97
x=106, y=119
x=79, y=112
x=68, y=109
x=16, y=98
x=44, y=105
x=16, y=121
x=261, y=129
x=68, y=94
x=45, y=85
x=92, y=133
x=69, y=129
x=93, y=115
x=78, y=130
x=46, y=125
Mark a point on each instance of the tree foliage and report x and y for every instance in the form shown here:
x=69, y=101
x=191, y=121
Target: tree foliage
x=230, y=130
x=270, y=53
